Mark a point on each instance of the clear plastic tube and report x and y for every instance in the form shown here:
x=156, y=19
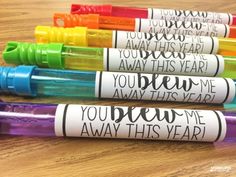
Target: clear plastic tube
x=83, y=58
x=27, y=119
x=61, y=83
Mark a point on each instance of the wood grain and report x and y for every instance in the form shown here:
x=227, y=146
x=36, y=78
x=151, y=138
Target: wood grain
x=26, y=156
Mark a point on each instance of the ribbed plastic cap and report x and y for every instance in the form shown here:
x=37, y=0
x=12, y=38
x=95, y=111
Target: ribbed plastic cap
x=70, y=36
x=16, y=80
x=48, y=55
x=105, y=10
x=71, y=20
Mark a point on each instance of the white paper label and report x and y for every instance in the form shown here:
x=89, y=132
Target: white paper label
x=165, y=42
x=139, y=123
x=155, y=87
x=126, y=60
x=181, y=27
x=192, y=16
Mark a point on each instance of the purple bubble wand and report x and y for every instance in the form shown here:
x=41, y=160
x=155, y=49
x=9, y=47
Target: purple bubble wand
x=117, y=122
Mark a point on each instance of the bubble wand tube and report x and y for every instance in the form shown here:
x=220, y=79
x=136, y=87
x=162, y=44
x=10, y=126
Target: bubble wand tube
x=81, y=36
x=117, y=122
x=60, y=56
x=33, y=81
x=94, y=21
x=154, y=13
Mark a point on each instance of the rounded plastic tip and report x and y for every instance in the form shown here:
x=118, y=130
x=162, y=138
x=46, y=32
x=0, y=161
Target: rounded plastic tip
x=11, y=53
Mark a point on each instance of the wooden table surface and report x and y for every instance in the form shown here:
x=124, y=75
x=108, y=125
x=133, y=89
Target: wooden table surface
x=30, y=156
